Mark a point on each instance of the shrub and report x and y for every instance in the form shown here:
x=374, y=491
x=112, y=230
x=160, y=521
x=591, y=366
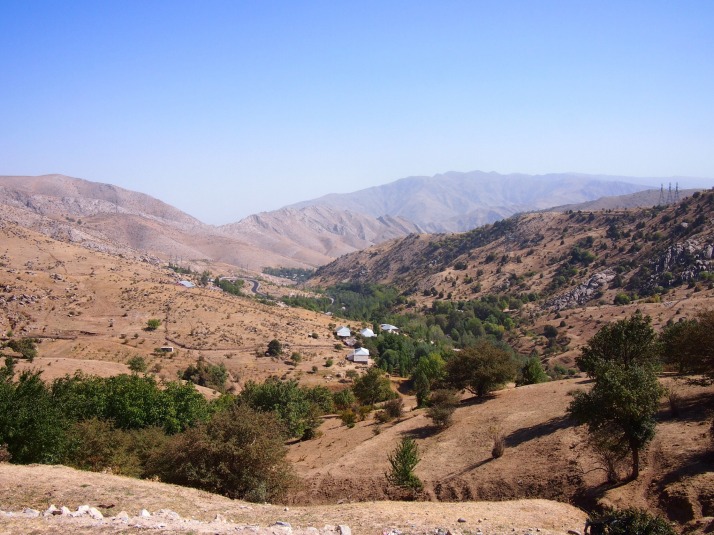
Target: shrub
x=442, y=405
x=550, y=331
x=622, y=299
x=204, y=373
x=372, y=387
x=96, y=445
x=402, y=461
x=532, y=373
x=239, y=453
x=348, y=417
x=394, y=408
x=343, y=399
x=153, y=324
x=275, y=348
x=329, y=363
x=631, y=521
x=499, y=443
x=675, y=401
x=382, y=417
x=137, y=364
x=5, y=456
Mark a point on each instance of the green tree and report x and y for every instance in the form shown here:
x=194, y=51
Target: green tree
x=343, y=399
x=619, y=410
x=532, y=373
x=480, y=368
x=275, y=348
x=137, y=364
x=429, y=370
x=26, y=347
x=291, y=403
x=31, y=424
x=204, y=373
x=628, y=341
x=402, y=461
x=372, y=387
x=690, y=344
x=239, y=453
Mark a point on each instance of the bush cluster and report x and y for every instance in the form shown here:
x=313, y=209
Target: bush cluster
x=131, y=425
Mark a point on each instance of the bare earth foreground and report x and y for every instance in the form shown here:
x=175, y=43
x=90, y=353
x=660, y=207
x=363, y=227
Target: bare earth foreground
x=39, y=486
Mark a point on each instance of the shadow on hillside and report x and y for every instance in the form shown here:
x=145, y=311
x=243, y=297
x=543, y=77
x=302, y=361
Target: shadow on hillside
x=691, y=465
x=536, y=431
x=422, y=432
x=695, y=408
x=475, y=400
x=475, y=466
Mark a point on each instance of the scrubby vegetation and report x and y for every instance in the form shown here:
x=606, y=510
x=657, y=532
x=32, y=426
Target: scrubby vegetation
x=203, y=373
x=132, y=425
x=231, y=287
x=298, y=275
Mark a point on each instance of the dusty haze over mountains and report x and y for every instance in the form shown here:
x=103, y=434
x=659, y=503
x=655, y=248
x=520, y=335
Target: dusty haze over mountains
x=307, y=234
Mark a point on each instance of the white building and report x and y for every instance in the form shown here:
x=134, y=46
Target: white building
x=367, y=333
x=359, y=356
x=343, y=332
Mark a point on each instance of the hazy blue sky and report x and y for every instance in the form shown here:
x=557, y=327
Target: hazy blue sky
x=229, y=108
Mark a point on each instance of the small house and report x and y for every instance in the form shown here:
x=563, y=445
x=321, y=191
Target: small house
x=359, y=356
x=367, y=333
x=387, y=328
x=343, y=332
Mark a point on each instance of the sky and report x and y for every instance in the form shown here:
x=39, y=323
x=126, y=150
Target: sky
x=228, y=108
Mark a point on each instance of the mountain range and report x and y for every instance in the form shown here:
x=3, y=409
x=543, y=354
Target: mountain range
x=307, y=234
x=456, y=202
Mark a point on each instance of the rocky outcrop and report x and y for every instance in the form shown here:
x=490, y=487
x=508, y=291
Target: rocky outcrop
x=582, y=293
x=684, y=261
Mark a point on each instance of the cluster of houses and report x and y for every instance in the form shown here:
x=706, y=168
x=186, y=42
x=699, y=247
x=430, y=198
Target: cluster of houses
x=360, y=355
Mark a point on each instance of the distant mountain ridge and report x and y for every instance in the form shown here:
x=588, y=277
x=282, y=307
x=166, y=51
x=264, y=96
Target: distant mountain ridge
x=60, y=195
x=309, y=234
x=325, y=231
x=456, y=202
x=108, y=218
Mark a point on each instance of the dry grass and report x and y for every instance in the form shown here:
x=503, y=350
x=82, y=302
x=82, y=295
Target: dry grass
x=40, y=486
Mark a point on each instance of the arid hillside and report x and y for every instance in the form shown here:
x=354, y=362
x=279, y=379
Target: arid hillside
x=546, y=455
x=324, y=232
x=106, y=218
x=175, y=509
x=574, y=270
x=90, y=311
